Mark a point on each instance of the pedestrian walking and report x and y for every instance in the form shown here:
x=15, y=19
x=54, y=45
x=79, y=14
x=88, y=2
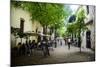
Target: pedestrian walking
x=32, y=46
x=19, y=49
x=61, y=42
x=69, y=42
x=27, y=48
x=23, y=49
x=65, y=39
x=45, y=48
x=55, y=42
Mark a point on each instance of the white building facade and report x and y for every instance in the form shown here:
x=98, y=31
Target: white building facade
x=88, y=37
x=29, y=25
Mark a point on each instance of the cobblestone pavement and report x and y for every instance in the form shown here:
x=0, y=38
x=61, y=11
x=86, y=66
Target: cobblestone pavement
x=61, y=54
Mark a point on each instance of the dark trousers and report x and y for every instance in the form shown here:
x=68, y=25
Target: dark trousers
x=46, y=51
x=69, y=46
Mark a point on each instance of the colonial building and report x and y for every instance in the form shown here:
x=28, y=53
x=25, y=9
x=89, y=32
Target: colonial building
x=22, y=19
x=88, y=37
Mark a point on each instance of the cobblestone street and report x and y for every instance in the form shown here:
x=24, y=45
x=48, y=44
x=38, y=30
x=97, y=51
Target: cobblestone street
x=61, y=54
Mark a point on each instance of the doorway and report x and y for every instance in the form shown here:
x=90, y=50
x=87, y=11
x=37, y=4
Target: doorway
x=88, y=39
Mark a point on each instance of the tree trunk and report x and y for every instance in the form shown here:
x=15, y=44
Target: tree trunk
x=80, y=43
x=72, y=37
x=51, y=31
x=44, y=32
x=21, y=40
x=80, y=40
x=55, y=33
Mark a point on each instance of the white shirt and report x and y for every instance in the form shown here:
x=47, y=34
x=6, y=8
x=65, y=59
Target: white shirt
x=69, y=40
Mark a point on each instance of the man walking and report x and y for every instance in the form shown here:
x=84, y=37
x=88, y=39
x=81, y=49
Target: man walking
x=45, y=48
x=69, y=42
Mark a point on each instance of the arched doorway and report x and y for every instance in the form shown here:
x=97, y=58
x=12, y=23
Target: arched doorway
x=88, y=39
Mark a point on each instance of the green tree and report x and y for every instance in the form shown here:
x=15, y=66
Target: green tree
x=48, y=14
x=81, y=27
x=78, y=26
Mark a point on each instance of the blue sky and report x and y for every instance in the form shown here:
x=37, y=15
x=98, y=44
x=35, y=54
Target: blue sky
x=74, y=8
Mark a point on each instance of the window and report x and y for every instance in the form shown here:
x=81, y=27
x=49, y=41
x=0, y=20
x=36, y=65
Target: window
x=87, y=9
x=21, y=24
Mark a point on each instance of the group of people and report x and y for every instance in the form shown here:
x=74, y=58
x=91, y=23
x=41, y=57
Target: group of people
x=26, y=48
x=66, y=41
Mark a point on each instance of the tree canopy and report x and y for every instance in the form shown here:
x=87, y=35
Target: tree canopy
x=79, y=25
x=51, y=15
x=46, y=13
